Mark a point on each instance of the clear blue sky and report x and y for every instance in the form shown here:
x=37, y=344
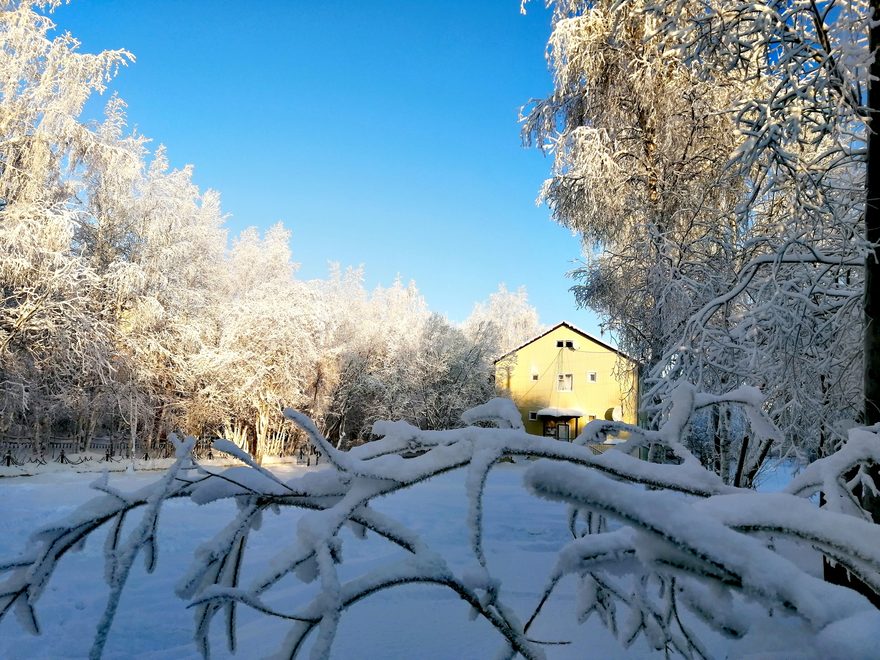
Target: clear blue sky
x=381, y=133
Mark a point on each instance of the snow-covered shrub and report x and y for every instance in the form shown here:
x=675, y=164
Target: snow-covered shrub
x=659, y=550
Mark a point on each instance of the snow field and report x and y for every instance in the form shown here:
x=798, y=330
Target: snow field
x=522, y=536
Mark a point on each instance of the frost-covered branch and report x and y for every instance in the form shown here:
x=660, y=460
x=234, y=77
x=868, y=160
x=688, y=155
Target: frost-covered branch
x=667, y=547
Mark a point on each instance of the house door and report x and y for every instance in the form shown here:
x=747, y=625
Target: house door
x=562, y=432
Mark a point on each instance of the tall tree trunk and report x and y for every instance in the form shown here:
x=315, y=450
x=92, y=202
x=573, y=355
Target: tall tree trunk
x=132, y=426
x=836, y=573
x=716, y=440
x=870, y=502
x=872, y=234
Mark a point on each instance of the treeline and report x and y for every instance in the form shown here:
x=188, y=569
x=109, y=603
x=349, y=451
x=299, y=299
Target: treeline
x=126, y=312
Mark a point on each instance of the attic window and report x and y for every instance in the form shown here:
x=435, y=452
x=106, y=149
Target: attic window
x=564, y=343
x=559, y=343
x=533, y=415
x=569, y=343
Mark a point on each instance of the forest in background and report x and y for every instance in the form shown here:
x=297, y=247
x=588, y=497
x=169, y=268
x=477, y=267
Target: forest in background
x=719, y=197
x=718, y=161
x=127, y=312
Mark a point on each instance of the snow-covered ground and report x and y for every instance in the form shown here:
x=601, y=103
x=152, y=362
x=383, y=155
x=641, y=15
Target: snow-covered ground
x=522, y=535
x=93, y=463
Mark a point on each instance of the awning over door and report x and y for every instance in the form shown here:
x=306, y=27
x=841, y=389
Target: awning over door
x=560, y=412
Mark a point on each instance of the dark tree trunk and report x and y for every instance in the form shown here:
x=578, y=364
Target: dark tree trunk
x=871, y=375
x=872, y=233
x=741, y=462
x=870, y=502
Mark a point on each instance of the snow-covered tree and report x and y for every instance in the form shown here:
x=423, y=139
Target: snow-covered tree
x=795, y=325
x=395, y=359
x=640, y=143
x=44, y=84
x=56, y=351
x=451, y=372
x=176, y=256
x=56, y=342
x=506, y=319
x=91, y=227
x=265, y=345
x=718, y=186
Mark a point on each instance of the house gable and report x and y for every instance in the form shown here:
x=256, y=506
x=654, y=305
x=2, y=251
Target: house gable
x=574, y=329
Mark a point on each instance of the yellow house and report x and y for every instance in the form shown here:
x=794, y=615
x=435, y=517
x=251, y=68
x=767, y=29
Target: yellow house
x=564, y=378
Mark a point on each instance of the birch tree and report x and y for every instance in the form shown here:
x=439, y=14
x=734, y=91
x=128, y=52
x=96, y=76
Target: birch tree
x=505, y=319
x=805, y=152
x=268, y=329
x=640, y=143
x=744, y=246
x=57, y=339
x=44, y=83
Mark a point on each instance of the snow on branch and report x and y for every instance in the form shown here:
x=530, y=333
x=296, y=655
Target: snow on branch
x=844, y=476
x=684, y=546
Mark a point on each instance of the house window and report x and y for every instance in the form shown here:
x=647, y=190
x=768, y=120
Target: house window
x=591, y=377
x=564, y=382
x=569, y=343
x=533, y=416
x=559, y=343
x=534, y=376
x=564, y=343
x=591, y=418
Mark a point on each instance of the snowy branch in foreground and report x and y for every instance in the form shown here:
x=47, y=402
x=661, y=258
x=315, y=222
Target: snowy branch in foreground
x=654, y=548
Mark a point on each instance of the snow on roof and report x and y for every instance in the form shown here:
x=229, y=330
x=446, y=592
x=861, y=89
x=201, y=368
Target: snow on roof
x=560, y=412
